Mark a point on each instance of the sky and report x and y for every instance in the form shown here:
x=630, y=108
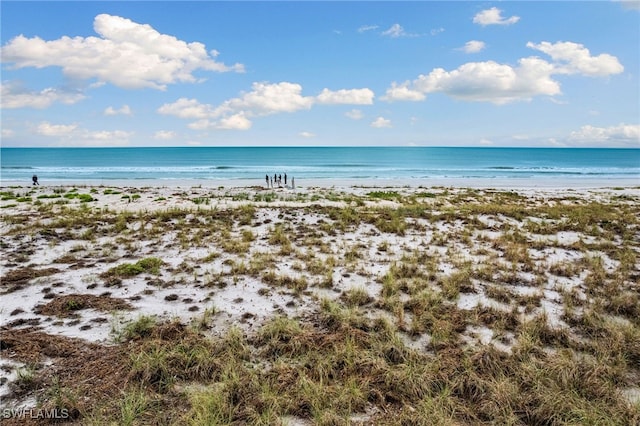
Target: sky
x=301, y=73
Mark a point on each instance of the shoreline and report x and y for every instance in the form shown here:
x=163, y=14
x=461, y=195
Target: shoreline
x=185, y=196
x=477, y=183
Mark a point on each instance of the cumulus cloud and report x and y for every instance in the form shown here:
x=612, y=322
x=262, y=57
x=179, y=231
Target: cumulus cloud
x=502, y=83
x=202, y=124
x=264, y=99
x=14, y=96
x=165, y=135
x=402, y=92
x=47, y=129
x=235, y=113
x=7, y=133
x=473, y=46
x=381, y=122
x=624, y=134
x=482, y=81
x=493, y=16
x=354, y=114
x=124, y=110
x=307, y=135
x=345, y=96
x=126, y=54
x=574, y=58
x=234, y=122
x=492, y=82
x=79, y=136
x=186, y=108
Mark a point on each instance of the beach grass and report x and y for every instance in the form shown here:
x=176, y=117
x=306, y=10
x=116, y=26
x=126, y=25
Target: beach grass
x=368, y=306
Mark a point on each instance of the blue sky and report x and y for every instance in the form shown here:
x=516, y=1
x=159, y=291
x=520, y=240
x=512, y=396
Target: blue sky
x=321, y=73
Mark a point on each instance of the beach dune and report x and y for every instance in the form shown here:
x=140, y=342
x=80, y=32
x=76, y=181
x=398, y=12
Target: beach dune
x=360, y=298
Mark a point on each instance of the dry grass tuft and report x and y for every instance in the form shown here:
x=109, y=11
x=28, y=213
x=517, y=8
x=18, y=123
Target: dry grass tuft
x=68, y=305
x=17, y=279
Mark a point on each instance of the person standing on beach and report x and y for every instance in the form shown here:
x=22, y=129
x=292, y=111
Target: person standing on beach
x=293, y=183
x=266, y=178
x=285, y=179
x=34, y=178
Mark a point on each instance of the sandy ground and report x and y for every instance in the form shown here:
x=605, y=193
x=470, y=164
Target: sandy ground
x=348, y=184
x=63, y=290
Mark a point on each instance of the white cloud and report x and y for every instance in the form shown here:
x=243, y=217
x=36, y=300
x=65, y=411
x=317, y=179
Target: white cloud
x=47, y=129
x=14, y=96
x=165, y=135
x=346, y=96
x=79, y=136
x=493, y=16
x=574, y=58
x=396, y=30
x=402, y=92
x=473, y=46
x=381, y=122
x=234, y=122
x=124, y=110
x=365, y=28
x=436, y=31
x=307, y=135
x=625, y=134
x=492, y=82
x=265, y=99
x=501, y=83
x=186, y=108
x=354, y=114
x=235, y=113
x=127, y=54
x=483, y=81
x=201, y=124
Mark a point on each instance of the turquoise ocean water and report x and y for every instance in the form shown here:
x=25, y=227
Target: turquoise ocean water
x=223, y=164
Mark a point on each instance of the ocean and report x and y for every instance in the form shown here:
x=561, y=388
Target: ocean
x=217, y=164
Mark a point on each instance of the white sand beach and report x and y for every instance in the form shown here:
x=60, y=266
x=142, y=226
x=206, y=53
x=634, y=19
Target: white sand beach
x=555, y=182
x=85, y=261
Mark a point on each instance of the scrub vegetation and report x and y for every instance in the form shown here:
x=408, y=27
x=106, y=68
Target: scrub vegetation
x=378, y=306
